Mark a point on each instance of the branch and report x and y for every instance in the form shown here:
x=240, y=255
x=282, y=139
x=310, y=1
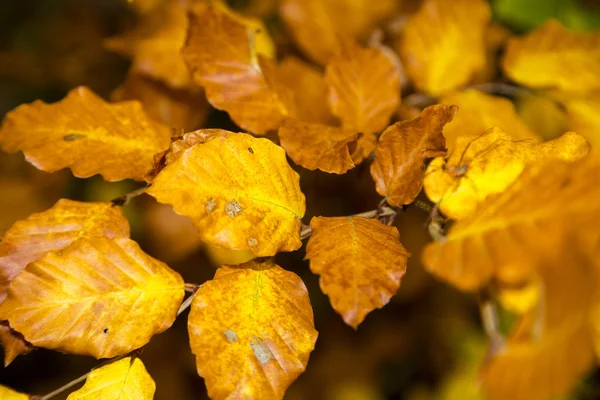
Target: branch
x=124, y=200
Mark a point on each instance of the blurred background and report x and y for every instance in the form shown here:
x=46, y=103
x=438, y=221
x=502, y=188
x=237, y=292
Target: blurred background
x=427, y=343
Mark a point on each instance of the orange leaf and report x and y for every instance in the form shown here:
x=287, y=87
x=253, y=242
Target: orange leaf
x=549, y=203
x=239, y=191
x=479, y=112
x=222, y=54
x=185, y=109
x=443, y=44
x=54, y=229
x=553, y=57
x=361, y=262
x=316, y=146
x=155, y=44
x=86, y=134
x=398, y=168
x=13, y=343
x=100, y=297
x=252, y=330
x=317, y=24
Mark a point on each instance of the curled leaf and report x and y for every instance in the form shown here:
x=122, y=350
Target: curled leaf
x=100, y=297
x=80, y=131
x=398, y=168
x=239, y=191
x=251, y=329
x=123, y=379
x=316, y=146
x=432, y=38
x=361, y=262
x=13, y=343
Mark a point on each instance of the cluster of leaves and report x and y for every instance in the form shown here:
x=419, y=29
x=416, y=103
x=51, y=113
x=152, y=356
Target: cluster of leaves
x=523, y=209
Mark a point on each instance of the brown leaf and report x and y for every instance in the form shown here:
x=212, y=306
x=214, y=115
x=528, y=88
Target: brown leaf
x=86, y=134
x=13, y=342
x=398, y=168
x=316, y=146
x=361, y=262
x=54, y=229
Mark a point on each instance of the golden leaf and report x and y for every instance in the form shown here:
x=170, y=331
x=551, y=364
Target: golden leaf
x=317, y=25
x=479, y=112
x=185, y=109
x=543, y=115
x=125, y=379
x=9, y=394
x=252, y=330
x=487, y=164
x=239, y=191
x=316, y=146
x=361, y=262
x=398, y=168
x=584, y=118
x=553, y=57
x=509, y=232
x=155, y=44
x=13, y=343
x=219, y=256
x=100, y=297
x=54, y=229
x=443, y=44
x=86, y=134
x=223, y=55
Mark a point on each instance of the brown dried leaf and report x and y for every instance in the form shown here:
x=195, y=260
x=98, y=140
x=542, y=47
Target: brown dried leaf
x=398, y=168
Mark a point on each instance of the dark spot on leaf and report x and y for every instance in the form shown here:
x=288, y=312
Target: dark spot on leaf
x=105, y=330
x=72, y=136
x=250, y=150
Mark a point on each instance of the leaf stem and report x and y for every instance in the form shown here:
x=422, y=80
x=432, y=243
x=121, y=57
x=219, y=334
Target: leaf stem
x=186, y=304
x=126, y=198
x=63, y=388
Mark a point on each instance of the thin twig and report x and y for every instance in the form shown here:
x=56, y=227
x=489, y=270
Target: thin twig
x=185, y=305
x=502, y=88
x=126, y=198
x=191, y=287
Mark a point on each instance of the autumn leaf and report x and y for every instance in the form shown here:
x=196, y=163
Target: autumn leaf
x=509, y=232
x=185, y=109
x=9, y=394
x=79, y=131
x=317, y=25
x=100, y=297
x=364, y=91
x=13, y=343
x=239, y=191
x=442, y=45
x=543, y=115
x=360, y=261
x=154, y=45
x=398, y=168
x=487, y=164
x=553, y=57
x=479, y=112
x=316, y=146
x=55, y=229
x=584, y=118
x=251, y=329
x=120, y=380
x=222, y=52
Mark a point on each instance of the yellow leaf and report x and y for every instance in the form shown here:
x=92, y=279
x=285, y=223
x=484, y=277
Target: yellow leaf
x=487, y=164
x=317, y=25
x=361, y=263
x=402, y=149
x=443, y=44
x=479, y=112
x=549, y=203
x=125, y=379
x=9, y=394
x=154, y=45
x=13, y=343
x=100, y=297
x=222, y=54
x=551, y=56
x=54, y=229
x=584, y=118
x=251, y=329
x=239, y=191
x=220, y=256
x=86, y=134
x=519, y=299
x=316, y=146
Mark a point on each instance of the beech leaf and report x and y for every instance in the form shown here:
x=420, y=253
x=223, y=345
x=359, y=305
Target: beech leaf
x=251, y=329
x=100, y=297
x=361, y=262
x=13, y=343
